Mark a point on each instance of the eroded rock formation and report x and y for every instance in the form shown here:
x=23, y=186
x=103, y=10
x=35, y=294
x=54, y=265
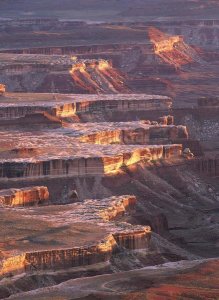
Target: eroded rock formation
x=102, y=213
x=172, y=49
x=78, y=166
x=97, y=76
x=2, y=89
x=24, y=196
x=18, y=105
x=141, y=135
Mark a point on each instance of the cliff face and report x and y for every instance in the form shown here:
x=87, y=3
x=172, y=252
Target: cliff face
x=60, y=105
x=58, y=259
x=101, y=212
x=139, y=239
x=172, y=49
x=97, y=76
x=141, y=136
x=2, y=89
x=91, y=165
x=24, y=197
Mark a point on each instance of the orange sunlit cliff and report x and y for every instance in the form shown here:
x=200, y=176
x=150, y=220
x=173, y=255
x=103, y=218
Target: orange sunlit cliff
x=172, y=49
x=97, y=76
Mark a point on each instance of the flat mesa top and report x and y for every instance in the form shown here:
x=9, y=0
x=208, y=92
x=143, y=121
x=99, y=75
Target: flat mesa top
x=50, y=99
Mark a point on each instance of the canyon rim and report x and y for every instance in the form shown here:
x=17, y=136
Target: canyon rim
x=109, y=149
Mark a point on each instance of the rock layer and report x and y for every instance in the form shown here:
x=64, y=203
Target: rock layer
x=78, y=166
x=24, y=196
x=101, y=212
x=141, y=136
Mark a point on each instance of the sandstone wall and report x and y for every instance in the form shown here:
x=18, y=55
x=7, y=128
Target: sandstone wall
x=58, y=259
x=141, y=136
x=133, y=240
x=77, y=256
x=87, y=166
x=24, y=196
x=118, y=208
x=122, y=105
x=2, y=89
x=83, y=107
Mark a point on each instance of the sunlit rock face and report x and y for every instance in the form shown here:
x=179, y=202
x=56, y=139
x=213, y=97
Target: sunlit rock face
x=18, y=105
x=166, y=120
x=172, y=49
x=66, y=254
x=141, y=136
x=97, y=76
x=60, y=258
x=2, y=89
x=24, y=197
x=133, y=241
x=97, y=164
x=60, y=73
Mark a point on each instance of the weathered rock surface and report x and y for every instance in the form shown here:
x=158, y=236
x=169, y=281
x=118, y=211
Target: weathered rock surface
x=2, y=89
x=123, y=146
x=17, y=105
x=25, y=258
x=172, y=49
x=24, y=196
x=141, y=135
x=81, y=164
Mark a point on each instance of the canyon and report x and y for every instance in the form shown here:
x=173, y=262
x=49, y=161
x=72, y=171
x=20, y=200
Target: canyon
x=109, y=149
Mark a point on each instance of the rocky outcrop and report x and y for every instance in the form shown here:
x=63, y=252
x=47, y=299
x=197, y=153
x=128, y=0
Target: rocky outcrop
x=87, y=166
x=24, y=196
x=60, y=73
x=117, y=208
x=102, y=212
x=2, y=89
x=97, y=76
x=172, y=49
x=141, y=136
x=133, y=240
x=166, y=120
x=59, y=259
x=59, y=105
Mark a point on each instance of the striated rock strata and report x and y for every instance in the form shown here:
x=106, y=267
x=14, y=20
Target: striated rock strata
x=100, y=212
x=151, y=134
x=172, y=49
x=79, y=165
x=2, y=89
x=97, y=76
x=17, y=105
x=24, y=196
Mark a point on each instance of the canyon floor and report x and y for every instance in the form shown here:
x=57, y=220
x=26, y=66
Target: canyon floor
x=109, y=150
